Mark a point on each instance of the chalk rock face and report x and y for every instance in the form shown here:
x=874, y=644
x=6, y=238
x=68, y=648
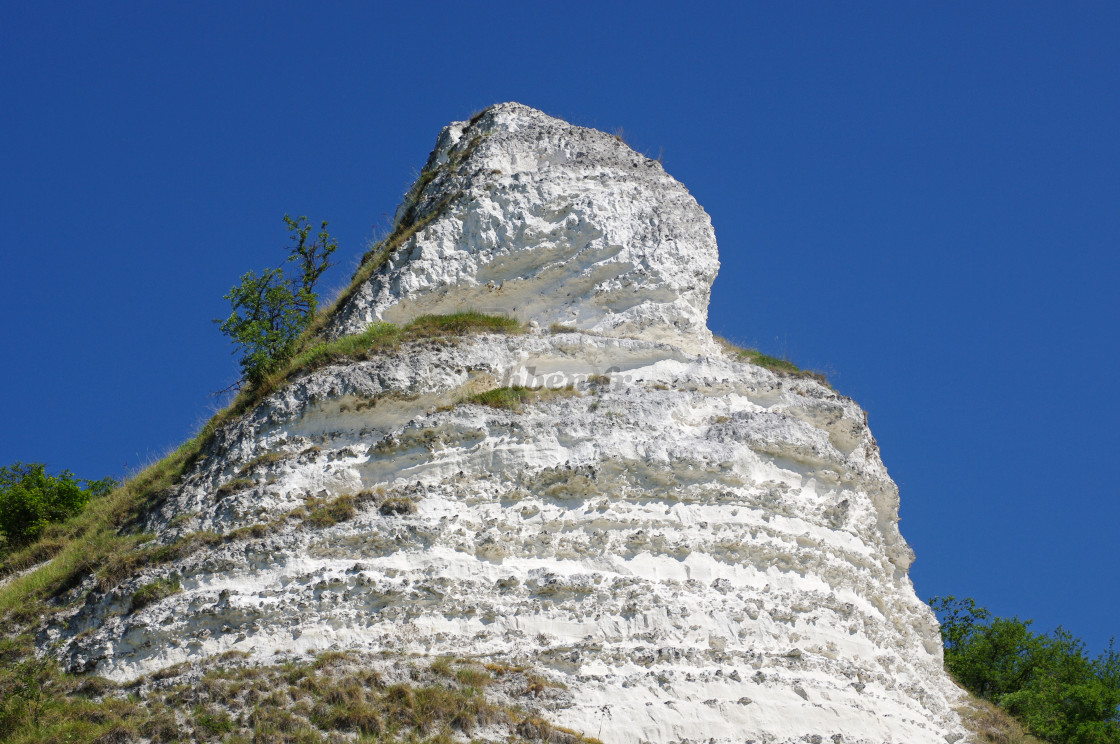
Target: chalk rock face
x=698, y=549
x=553, y=223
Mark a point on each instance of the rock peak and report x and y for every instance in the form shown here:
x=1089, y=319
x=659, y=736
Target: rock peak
x=528, y=215
x=678, y=547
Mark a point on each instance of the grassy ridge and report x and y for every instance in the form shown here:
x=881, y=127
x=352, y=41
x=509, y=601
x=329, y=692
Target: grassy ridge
x=381, y=337
x=411, y=222
x=89, y=541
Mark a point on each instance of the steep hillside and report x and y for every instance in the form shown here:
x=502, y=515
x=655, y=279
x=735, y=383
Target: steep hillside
x=638, y=533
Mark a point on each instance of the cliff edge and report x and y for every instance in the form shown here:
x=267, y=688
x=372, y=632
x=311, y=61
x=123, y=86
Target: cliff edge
x=683, y=545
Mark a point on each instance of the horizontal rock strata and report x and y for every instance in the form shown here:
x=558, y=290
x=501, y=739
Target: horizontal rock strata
x=698, y=548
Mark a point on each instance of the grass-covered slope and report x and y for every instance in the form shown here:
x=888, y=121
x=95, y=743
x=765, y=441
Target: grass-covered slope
x=333, y=698
x=97, y=538
x=38, y=703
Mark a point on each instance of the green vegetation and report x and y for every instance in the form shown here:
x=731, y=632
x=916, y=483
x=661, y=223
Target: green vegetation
x=326, y=512
x=769, y=362
x=774, y=364
x=505, y=397
x=328, y=699
x=442, y=667
x=512, y=398
x=261, y=461
x=31, y=499
x=382, y=337
x=1047, y=682
x=233, y=486
x=458, y=324
x=270, y=312
x=153, y=592
x=122, y=564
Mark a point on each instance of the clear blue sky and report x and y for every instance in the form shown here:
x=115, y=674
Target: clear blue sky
x=922, y=200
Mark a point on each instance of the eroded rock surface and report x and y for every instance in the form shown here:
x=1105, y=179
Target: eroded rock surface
x=698, y=548
x=552, y=222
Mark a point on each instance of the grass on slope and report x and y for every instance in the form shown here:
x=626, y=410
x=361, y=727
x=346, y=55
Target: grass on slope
x=40, y=704
x=411, y=222
x=781, y=366
x=85, y=543
x=512, y=398
x=329, y=699
x=992, y=724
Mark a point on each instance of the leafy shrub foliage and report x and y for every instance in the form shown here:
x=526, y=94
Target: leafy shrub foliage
x=1048, y=682
x=30, y=499
x=270, y=312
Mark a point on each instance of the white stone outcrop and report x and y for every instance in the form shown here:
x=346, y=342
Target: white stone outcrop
x=700, y=549
x=553, y=223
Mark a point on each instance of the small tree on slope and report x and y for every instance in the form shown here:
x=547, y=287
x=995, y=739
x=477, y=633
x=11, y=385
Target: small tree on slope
x=269, y=312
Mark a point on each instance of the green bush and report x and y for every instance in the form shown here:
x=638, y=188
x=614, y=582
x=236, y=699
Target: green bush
x=30, y=499
x=1048, y=682
x=22, y=693
x=270, y=312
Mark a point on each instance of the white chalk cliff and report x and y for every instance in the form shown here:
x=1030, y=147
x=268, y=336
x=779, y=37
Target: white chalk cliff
x=700, y=549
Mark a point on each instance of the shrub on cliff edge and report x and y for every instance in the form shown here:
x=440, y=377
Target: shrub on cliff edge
x=270, y=312
x=31, y=498
x=1047, y=682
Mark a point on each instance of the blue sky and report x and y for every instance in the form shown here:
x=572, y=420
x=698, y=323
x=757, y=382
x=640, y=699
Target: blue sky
x=921, y=200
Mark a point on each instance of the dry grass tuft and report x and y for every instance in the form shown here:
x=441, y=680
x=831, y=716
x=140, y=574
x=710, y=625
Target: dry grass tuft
x=153, y=592
x=326, y=512
x=232, y=487
x=781, y=366
x=458, y=324
x=268, y=458
x=992, y=724
x=397, y=507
